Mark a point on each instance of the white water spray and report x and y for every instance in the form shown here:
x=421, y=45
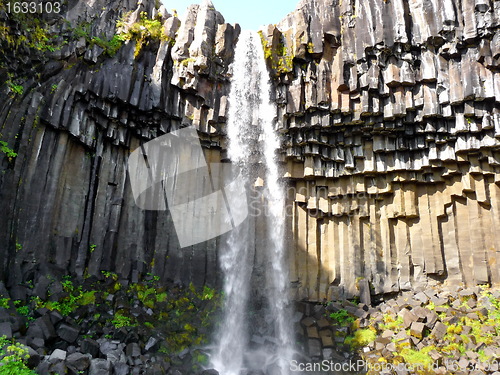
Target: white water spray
x=250, y=113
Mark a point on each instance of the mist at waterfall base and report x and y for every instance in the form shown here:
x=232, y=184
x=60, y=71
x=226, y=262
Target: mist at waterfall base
x=255, y=334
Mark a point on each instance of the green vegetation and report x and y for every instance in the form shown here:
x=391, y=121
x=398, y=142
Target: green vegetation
x=143, y=31
x=183, y=308
x=13, y=358
x=110, y=275
x=21, y=309
x=279, y=58
x=184, y=314
x=75, y=298
x=361, y=338
x=34, y=34
x=22, y=35
x=4, y=148
x=342, y=317
x=186, y=62
x=391, y=323
x=207, y=293
x=418, y=357
x=466, y=328
x=111, y=46
x=121, y=320
x=16, y=89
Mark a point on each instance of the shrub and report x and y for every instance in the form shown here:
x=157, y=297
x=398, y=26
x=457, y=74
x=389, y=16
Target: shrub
x=14, y=356
x=144, y=30
x=121, y=320
x=4, y=147
x=342, y=317
x=363, y=337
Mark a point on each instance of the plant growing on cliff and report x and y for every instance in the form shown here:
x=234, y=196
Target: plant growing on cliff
x=121, y=320
x=143, y=31
x=111, y=46
x=278, y=59
x=16, y=89
x=342, y=317
x=75, y=297
x=31, y=31
x=4, y=147
x=13, y=358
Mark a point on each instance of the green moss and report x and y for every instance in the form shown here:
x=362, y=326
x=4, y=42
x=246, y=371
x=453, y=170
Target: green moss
x=143, y=31
x=390, y=323
x=418, y=358
x=110, y=275
x=75, y=298
x=35, y=33
x=82, y=31
x=87, y=298
x=120, y=320
x=186, y=62
x=16, y=89
x=342, y=317
x=208, y=293
x=279, y=59
x=21, y=309
x=363, y=337
x=111, y=46
x=186, y=314
x=431, y=306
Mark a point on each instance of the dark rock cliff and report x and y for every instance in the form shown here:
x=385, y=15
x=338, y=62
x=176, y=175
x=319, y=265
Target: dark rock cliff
x=389, y=112
x=82, y=108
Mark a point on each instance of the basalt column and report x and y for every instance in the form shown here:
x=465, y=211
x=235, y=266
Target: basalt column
x=390, y=114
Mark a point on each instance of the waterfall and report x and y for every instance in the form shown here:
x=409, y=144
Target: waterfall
x=251, y=135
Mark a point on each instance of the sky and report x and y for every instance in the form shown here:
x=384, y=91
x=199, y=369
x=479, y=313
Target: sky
x=249, y=14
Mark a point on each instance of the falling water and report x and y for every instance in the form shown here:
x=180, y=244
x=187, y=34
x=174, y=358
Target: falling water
x=275, y=196
x=250, y=132
x=235, y=253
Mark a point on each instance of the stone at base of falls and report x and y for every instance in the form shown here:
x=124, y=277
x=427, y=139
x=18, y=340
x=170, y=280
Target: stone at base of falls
x=397, y=128
x=441, y=318
x=90, y=339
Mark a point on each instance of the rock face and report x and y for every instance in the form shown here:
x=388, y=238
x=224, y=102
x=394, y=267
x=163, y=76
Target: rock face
x=390, y=118
x=389, y=112
x=67, y=203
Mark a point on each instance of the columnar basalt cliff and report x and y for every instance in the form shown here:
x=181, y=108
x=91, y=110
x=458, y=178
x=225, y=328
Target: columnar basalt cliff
x=389, y=114
x=94, y=94
x=390, y=117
